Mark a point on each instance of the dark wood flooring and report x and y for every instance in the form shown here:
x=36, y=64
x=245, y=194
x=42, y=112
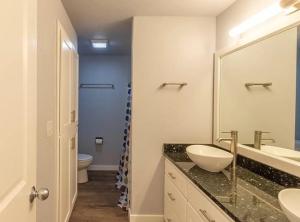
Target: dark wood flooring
x=97, y=200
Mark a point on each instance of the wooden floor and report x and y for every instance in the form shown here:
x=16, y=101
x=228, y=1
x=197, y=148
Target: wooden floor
x=97, y=200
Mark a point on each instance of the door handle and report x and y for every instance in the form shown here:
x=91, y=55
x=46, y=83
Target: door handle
x=42, y=194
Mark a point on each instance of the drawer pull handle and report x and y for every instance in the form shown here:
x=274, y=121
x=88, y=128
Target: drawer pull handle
x=171, y=197
x=172, y=176
x=204, y=212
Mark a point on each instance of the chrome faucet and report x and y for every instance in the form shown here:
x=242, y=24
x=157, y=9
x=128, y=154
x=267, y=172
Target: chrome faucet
x=233, y=149
x=258, y=139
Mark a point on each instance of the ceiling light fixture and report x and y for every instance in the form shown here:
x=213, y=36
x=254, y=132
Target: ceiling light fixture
x=99, y=43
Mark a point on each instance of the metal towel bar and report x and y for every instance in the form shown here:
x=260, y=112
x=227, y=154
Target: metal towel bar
x=181, y=84
x=265, y=84
x=104, y=86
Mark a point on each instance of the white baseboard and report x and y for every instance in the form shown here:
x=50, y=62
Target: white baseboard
x=72, y=206
x=103, y=167
x=145, y=218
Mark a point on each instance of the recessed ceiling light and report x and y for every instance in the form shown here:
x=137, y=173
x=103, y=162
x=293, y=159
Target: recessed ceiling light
x=99, y=43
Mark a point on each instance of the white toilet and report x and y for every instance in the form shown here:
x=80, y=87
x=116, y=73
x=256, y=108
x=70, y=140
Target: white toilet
x=84, y=160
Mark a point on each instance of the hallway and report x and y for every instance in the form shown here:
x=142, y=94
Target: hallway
x=97, y=200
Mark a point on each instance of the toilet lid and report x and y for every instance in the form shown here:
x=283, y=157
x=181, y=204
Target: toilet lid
x=83, y=157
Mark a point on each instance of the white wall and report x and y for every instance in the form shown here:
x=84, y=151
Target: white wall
x=48, y=14
x=102, y=111
x=168, y=49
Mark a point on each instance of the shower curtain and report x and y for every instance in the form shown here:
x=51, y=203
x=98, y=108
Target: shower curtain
x=122, y=175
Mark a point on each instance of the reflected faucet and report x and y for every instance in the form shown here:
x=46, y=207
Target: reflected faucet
x=258, y=139
x=233, y=149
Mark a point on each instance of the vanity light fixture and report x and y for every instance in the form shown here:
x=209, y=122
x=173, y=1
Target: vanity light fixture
x=99, y=43
x=283, y=6
x=287, y=3
x=255, y=20
x=290, y=6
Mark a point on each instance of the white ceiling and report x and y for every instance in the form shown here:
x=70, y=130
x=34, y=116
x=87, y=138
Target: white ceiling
x=111, y=19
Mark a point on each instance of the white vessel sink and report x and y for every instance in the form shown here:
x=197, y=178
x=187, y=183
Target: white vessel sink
x=209, y=158
x=282, y=152
x=289, y=201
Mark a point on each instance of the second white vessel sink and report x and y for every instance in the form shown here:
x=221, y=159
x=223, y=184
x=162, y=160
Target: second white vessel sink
x=209, y=158
x=289, y=201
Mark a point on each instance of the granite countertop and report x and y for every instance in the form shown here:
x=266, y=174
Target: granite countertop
x=256, y=196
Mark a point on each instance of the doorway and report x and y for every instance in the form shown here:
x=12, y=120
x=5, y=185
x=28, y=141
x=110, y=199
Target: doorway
x=104, y=109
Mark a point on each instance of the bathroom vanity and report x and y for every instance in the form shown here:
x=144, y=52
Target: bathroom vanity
x=195, y=195
x=185, y=202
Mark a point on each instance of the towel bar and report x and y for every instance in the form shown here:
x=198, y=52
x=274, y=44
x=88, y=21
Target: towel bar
x=104, y=86
x=181, y=84
x=266, y=84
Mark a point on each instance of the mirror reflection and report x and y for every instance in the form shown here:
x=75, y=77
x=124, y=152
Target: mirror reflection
x=260, y=94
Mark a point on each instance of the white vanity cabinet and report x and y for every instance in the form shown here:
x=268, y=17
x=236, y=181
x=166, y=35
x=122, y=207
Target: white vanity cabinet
x=193, y=215
x=184, y=202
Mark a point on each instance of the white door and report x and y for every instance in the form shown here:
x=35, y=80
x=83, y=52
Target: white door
x=67, y=126
x=74, y=125
x=18, y=107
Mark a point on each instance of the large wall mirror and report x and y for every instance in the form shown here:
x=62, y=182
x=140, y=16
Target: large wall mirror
x=259, y=94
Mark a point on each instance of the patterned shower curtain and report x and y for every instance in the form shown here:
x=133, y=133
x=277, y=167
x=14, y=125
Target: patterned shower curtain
x=122, y=175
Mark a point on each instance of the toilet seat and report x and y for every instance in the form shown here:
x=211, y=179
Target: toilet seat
x=84, y=157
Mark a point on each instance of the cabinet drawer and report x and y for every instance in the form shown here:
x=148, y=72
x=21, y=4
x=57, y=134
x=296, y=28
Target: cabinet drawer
x=201, y=203
x=192, y=215
x=176, y=177
x=175, y=201
x=169, y=214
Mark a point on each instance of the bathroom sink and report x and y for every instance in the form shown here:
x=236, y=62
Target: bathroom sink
x=209, y=158
x=282, y=152
x=289, y=201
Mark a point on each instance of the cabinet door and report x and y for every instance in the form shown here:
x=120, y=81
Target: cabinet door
x=175, y=200
x=178, y=179
x=205, y=206
x=193, y=216
x=169, y=213
x=67, y=125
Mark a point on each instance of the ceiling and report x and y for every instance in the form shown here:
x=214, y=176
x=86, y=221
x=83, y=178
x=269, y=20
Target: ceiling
x=111, y=19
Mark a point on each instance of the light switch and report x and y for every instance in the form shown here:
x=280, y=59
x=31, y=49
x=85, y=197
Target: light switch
x=49, y=127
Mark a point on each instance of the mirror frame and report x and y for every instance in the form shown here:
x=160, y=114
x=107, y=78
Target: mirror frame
x=283, y=164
